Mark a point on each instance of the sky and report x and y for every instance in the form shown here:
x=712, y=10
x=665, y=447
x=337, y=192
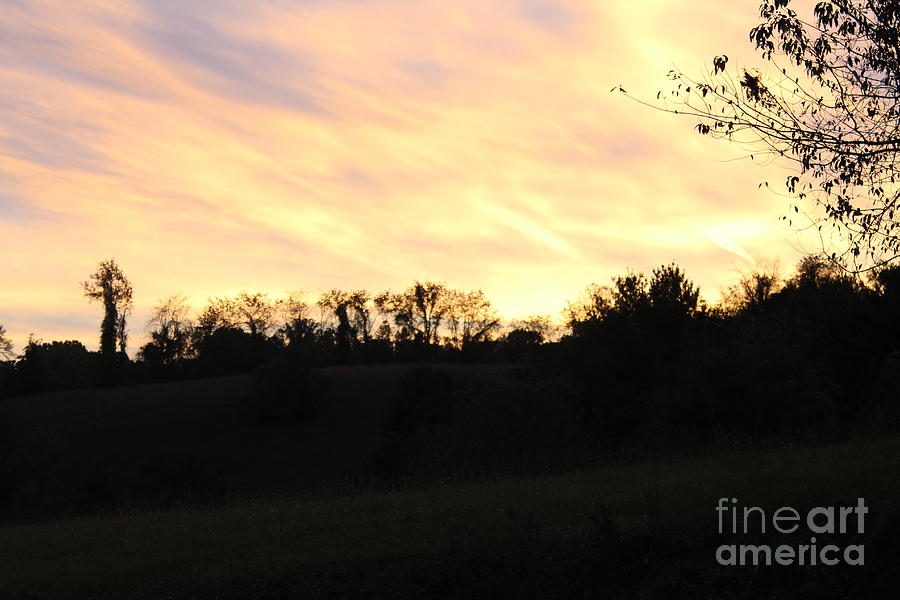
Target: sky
x=214, y=146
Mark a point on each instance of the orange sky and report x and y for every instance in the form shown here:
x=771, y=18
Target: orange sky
x=218, y=146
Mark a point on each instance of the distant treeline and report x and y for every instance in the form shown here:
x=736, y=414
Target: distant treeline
x=637, y=331
x=427, y=322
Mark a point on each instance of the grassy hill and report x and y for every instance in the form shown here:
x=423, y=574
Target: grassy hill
x=196, y=439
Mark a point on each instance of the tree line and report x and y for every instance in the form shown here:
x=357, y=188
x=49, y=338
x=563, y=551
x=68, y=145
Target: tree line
x=779, y=354
x=428, y=321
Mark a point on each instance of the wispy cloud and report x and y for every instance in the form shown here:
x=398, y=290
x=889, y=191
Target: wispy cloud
x=213, y=146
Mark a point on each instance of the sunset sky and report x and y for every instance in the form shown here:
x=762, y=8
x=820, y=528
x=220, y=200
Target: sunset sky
x=214, y=146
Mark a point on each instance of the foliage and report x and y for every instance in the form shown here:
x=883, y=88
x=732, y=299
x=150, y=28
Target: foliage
x=830, y=107
x=753, y=289
x=46, y=367
x=470, y=319
x=798, y=360
x=419, y=310
x=353, y=311
x=229, y=350
x=109, y=286
x=170, y=330
x=252, y=313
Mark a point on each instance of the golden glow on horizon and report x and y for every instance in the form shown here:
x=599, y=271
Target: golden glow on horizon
x=211, y=147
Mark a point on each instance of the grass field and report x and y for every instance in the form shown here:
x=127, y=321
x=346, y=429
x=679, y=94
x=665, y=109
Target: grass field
x=639, y=530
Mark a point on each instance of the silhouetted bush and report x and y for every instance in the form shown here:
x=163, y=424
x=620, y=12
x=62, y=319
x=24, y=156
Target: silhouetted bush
x=47, y=367
x=229, y=350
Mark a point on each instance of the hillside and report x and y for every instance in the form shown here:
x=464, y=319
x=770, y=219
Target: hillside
x=195, y=439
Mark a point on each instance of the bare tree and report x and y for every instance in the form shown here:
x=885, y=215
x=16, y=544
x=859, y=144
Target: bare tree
x=470, y=318
x=254, y=312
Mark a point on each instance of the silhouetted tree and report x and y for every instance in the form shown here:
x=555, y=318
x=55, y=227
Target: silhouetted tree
x=361, y=316
x=542, y=325
x=337, y=303
x=420, y=309
x=6, y=346
x=109, y=286
x=831, y=107
x=631, y=295
x=671, y=294
x=297, y=323
x=594, y=305
x=231, y=335
x=521, y=344
x=170, y=330
x=217, y=314
x=254, y=312
x=753, y=289
x=470, y=318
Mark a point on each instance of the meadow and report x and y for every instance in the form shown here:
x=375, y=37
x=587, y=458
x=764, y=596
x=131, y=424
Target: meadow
x=635, y=529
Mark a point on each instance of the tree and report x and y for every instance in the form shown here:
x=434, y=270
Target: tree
x=217, y=314
x=297, y=325
x=470, y=318
x=753, y=289
x=667, y=296
x=594, y=305
x=538, y=327
x=254, y=312
x=421, y=309
x=109, y=286
x=337, y=302
x=361, y=315
x=833, y=110
x=170, y=330
x=672, y=295
x=6, y=346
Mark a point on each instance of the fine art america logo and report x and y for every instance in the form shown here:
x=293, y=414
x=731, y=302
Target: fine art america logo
x=818, y=521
